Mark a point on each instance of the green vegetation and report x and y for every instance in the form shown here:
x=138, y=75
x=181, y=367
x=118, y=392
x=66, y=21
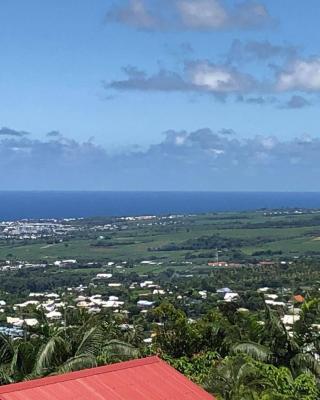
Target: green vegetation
x=233, y=354
x=260, y=344
x=236, y=355
x=83, y=342
x=237, y=235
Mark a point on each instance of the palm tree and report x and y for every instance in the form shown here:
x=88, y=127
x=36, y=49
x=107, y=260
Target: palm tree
x=242, y=378
x=16, y=358
x=275, y=345
x=75, y=347
x=67, y=350
x=134, y=335
x=52, y=349
x=237, y=378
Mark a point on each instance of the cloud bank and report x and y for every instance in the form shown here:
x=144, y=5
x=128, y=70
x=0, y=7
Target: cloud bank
x=197, y=77
x=198, y=160
x=202, y=76
x=4, y=131
x=155, y=15
x=255, y=71
x=253, y=50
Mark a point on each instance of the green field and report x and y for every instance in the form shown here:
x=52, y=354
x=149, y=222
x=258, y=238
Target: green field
x=287, y=235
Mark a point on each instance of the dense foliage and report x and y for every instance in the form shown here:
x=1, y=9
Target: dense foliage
x=232, y=353
x=235, y=355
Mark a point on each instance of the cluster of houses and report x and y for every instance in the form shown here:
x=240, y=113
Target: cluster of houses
x=105, y=293
x=13, y=266
x=62, y=228
x=290, y=310
x=52, y=304
x=262, y=263
x=110, y=290
x=25, y=229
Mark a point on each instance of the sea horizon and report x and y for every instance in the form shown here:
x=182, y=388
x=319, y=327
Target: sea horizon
x=35, y=204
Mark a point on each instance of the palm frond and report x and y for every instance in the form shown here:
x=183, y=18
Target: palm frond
x=91, y=342
x=5, y=377
x=6, y=348
x=49, y=353
x=254, y=350
x=120, y=349
x=305, y=362
x=77, y=363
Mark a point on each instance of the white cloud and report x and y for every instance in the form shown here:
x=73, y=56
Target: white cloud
x=212, y=77
x=217, y=78
x=180, y=140
x=198, y=77
x=202, y=13
x=189, y=14
x=269, y=143
x=135, y=14
x=141, y=14
x=302, y=75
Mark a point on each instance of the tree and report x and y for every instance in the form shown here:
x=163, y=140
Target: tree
x=242, y=378
x=236, y=378
x=86, y=343
x=175, y=335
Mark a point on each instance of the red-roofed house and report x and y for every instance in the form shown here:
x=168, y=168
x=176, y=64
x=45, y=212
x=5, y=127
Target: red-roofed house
x=218, y=264
x=145, y=379
x=298, y=298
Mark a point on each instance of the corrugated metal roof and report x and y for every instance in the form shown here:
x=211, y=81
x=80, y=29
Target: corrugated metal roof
x=145, y=379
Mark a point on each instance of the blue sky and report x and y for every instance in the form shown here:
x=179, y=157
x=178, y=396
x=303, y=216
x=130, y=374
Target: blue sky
x=159, y=95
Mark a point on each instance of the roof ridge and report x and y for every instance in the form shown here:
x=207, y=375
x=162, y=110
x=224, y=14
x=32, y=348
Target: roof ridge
x=49, y=380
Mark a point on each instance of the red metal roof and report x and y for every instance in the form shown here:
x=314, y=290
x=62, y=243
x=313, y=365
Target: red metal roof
x=145, y=379
x=298, y=298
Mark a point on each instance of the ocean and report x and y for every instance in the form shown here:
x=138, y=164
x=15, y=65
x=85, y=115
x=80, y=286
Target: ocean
x=19, y=205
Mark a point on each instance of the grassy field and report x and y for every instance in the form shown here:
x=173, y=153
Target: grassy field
x=290, y=234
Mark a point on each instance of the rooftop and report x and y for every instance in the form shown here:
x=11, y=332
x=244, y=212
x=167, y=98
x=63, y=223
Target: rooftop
x=144, y=379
